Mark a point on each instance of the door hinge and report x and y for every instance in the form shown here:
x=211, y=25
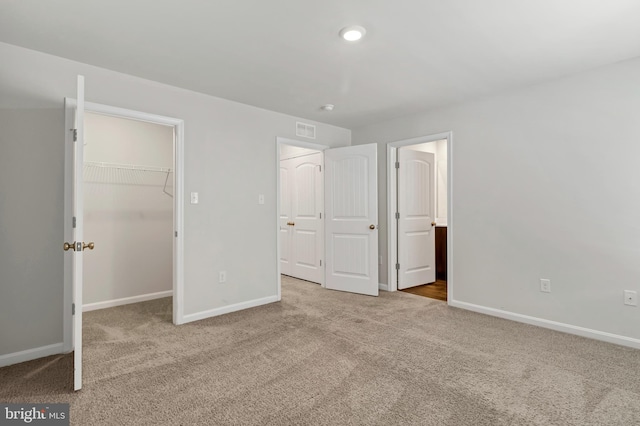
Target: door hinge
x=320, y=215
x=73, y=309
x=75, y=134
x=320, y=167
x=397, y=266
x=397, y=215
x=397, y=164
x=74, y=222
x=176, y=234
x=320, y=262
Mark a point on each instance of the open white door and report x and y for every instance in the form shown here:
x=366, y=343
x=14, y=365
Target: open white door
x=76, y=247
x=416, y=219
x=351, y=223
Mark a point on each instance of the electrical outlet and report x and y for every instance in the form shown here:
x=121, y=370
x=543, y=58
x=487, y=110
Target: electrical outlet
x=261, y=199
x=223, y=277
x=631, y=298
x=545, y=285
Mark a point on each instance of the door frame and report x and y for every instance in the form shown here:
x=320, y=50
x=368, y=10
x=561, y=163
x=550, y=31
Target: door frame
x=178, y=205
x=292, y=142
x=392, y=205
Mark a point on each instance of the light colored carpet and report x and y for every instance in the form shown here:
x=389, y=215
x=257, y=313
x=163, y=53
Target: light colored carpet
x=321, y=357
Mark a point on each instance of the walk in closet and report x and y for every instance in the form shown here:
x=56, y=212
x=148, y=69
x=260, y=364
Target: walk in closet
x=128, y=211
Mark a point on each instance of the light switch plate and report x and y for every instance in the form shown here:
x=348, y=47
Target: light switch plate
x=631, y=298
x=261, y=199
x=194, y=198
x=545, y=285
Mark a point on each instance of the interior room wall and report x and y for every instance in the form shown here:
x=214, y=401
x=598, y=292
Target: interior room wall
x=439, y=149
x=127, y=213
x=31, y=235
x=536, y=195
x=230, y=158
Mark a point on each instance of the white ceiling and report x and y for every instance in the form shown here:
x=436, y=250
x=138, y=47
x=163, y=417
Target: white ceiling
x=285, y=55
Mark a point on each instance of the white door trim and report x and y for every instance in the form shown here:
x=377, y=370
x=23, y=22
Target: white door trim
x=178, y=206
x=279, y=142
x=392, y=232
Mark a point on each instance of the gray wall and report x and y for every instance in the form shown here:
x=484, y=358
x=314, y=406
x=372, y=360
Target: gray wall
x=31, y=206
x=230, y=158
x=545, y=185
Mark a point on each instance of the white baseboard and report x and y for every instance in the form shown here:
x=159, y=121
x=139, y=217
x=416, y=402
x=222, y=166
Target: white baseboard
x=125, y=301
x=553, y=325
x=228, y=309
x=30, y=354
x=384, y=287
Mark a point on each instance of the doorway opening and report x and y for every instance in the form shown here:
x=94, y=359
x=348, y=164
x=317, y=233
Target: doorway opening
x=109, y=177
x=128, y=175
x=300, y=195
x=419, y=209
x=301, y=226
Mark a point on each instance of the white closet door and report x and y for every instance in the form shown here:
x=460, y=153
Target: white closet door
x=75, y=248
x=351, y=223
x=416, y=205
x=307, y=234
x=285, y=217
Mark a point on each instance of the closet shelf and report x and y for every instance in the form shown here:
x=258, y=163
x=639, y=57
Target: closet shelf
x=127, y=167
x=128, y=174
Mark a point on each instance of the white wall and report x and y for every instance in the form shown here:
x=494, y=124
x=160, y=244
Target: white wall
x=537, y=195
x=126, y=212
x=230, y=158
x=439, y=150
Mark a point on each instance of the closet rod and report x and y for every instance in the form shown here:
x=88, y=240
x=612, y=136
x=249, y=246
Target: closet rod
x=127, y=167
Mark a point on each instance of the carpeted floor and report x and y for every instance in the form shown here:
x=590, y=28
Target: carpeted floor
x=322, y=357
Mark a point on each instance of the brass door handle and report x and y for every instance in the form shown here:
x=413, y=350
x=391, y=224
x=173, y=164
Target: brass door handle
x=433, y=224
x=89, y=246
x=291, y=223
x=69, y=246
x=372, y=227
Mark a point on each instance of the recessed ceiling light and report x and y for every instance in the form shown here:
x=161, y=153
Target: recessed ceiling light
x=353, y=33
x=327, y=107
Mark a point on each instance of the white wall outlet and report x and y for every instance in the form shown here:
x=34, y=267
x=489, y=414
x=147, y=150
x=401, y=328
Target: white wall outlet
x=545, y=285
x=223, y=277
x=631, y=298
x=194, y=198
x=261, y=199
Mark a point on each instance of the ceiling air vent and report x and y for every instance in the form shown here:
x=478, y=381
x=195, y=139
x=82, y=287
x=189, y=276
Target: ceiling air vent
x=305, y=130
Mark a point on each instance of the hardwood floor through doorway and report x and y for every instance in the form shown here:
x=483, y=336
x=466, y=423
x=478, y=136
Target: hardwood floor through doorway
x=437, y=290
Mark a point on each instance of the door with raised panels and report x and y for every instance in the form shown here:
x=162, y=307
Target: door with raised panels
x=416, y=222
x=307, y=237
x=351, y=223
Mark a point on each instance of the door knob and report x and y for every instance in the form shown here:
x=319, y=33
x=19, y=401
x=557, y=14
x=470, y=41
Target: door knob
x=291, y=223
x=89, y=246
x=69, y=246
x=372, y=227
x=433, y=224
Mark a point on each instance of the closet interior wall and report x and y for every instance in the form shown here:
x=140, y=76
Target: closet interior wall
x=128, y=209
